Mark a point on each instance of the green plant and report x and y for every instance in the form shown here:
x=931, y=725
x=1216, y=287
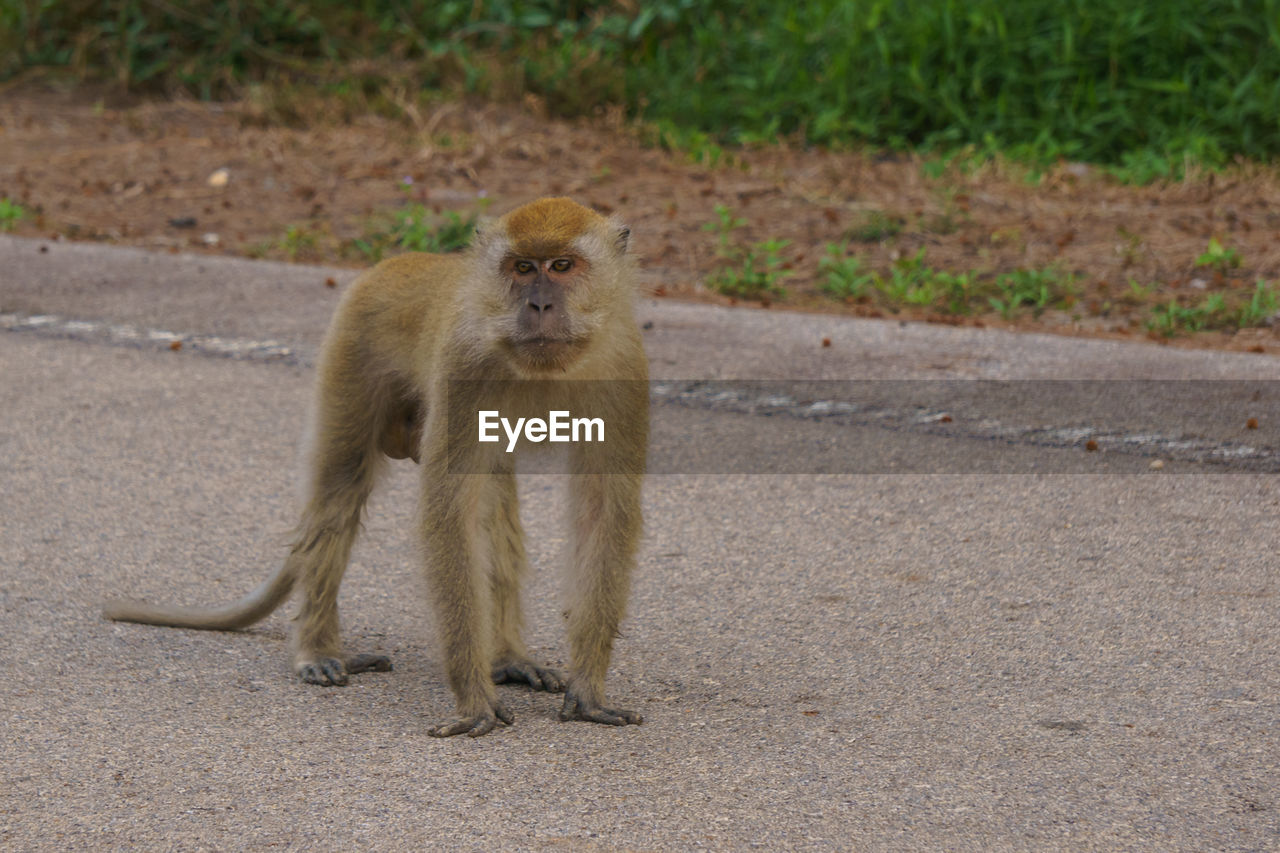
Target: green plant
x=415, y=228
x=958, y=291
x=1137, y=293
x=1261, y=307
x=745, y=271
x=1030, y=287
x=696, y=145
x=1219, y=257
x=724, y=226
x=1147, y=88
x=1172, y=319
x=296, y=241
x=754, y=272
x=10, y=214
x=952, y=214
x=909, y=282
x=843, y=276
x=875, y=227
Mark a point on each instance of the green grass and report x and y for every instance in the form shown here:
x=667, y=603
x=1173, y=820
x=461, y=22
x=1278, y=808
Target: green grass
x=416, y=228
x=1216, y=311
x=745, y=271
x=911, y=282
x=843, y=276
x=876, y=226
x=10, y=214
x=1219, y=257
x=1173, y=319
x=1144, y=88
x=1037, y=289
x=754, y=272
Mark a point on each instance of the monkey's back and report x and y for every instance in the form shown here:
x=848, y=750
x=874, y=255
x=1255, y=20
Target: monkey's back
x=397, y=309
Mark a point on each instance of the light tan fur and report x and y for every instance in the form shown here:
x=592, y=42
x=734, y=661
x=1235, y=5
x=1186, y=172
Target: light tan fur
x=544, y=294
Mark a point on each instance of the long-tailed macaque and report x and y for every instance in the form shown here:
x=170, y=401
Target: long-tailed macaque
x=418, y=346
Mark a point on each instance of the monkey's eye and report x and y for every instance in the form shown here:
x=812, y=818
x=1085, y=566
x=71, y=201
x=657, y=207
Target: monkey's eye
x=562, y=265
x=524, y=267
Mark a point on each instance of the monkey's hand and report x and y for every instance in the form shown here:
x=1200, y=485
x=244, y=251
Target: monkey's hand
x=527, y=672
x=578, y=707
x=331, y=672
x=474, y=726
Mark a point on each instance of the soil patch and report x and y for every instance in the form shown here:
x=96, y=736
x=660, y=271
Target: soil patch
x=188, y=176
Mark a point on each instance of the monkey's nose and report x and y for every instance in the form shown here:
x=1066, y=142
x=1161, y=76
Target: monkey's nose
x=541, y=305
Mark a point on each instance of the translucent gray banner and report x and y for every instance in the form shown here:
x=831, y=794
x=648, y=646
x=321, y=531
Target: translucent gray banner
x=877, y=427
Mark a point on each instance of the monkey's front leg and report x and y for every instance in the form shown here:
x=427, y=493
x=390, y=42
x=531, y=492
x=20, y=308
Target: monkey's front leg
x=454, y=506
x=509, y=565
x=606, y=527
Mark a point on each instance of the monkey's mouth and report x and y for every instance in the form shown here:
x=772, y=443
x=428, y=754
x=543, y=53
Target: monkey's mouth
x=545, y=349
x=541, y=342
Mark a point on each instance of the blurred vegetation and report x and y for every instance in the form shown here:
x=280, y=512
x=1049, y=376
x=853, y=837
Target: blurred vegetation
x=1145, y=87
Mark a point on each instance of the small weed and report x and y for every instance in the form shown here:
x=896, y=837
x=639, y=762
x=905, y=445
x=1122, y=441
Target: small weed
x=1137, y=293
x=1215, y=313
x=755, y=273
x=957, y=290
x=1130, y=251
x=698, y=147
x=724, y=227
x=910, y=282
x=843, y=276
x=745, y=272
x=415, y=228
x=954, y=204
x=1035, y=288
x=1261, y=307
x=1172, y=319
x=10, y=214
x=1219, y=257
x=297, y=240
x=1144, y=166
x=876, y=227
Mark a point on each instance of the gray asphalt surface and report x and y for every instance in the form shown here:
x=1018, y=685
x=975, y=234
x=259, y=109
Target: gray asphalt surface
x=1043, y=648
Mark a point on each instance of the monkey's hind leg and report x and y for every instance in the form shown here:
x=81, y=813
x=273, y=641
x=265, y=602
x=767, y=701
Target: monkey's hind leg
x=345, y=462
x=317, y=650
x=511, y=662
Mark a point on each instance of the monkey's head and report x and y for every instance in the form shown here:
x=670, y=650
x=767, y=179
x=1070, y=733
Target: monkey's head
x=558, y=274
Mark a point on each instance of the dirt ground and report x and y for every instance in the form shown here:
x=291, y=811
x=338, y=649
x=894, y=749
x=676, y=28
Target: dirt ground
x=187, y=176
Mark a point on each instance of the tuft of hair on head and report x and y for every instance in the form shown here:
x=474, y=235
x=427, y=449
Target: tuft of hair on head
x=546, y=227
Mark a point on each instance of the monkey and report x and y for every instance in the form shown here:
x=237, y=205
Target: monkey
x=418, y=344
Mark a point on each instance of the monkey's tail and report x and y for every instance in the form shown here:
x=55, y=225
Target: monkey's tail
x=253, y=607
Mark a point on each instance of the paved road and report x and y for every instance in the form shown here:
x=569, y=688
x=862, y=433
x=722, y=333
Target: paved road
x=944, y=624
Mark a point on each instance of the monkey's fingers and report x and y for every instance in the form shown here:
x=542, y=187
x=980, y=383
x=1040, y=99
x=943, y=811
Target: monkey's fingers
x=327, y=672
x=528, y=672
x=368, y=663
x=480, y=724
x=577, y=709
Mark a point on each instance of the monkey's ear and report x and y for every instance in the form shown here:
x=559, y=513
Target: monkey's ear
x=483, y=229
x=622, y=239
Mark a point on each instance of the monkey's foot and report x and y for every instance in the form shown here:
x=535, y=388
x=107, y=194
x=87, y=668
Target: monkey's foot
x=527, y=672
x=577, y=708
x=368, y=663
x=474, y=726
x=331, y=672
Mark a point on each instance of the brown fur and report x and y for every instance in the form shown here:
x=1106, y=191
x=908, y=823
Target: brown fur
x=403, y=331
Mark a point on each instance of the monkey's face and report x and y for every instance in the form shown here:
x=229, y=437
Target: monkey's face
x=553, y=274
x=542, y=299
